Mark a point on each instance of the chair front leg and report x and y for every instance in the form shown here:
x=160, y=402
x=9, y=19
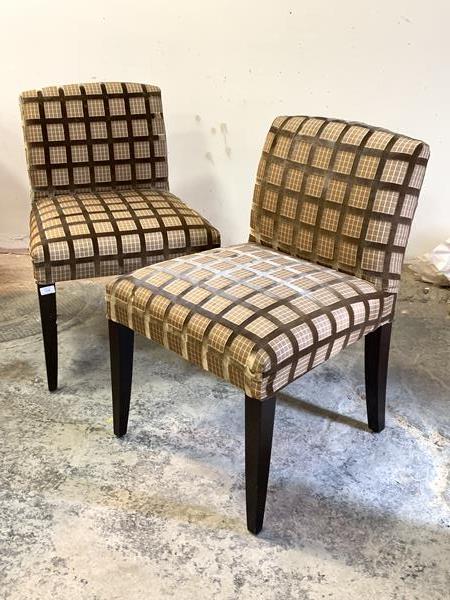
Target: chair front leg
x=259, y=418
x=47, y=307
x=121, y=345
x=376, y=367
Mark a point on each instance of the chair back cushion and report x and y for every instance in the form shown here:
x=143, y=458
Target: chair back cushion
x=340, y=194
x=94, y=136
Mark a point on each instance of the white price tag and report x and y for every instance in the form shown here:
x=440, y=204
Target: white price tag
x=48, y=289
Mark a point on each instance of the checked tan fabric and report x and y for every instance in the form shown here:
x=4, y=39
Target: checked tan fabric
x=92, y=234
x=338, y=193
x=330, y=220
x=251, y=315
x=94, y=136
x=97, y=162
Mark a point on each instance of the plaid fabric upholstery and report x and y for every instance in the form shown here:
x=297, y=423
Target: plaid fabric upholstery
x=91, y=234
x=254, y=316
x=97, y=162
x=340, y=194
x=94, y=136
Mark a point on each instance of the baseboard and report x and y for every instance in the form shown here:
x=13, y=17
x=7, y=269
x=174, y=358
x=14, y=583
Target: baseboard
x=13, y=250
x=13, y=244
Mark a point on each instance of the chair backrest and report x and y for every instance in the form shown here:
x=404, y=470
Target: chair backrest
x=339, y=193
x=94, y=136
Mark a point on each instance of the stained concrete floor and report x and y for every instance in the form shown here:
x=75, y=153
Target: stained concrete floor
x=160, y=513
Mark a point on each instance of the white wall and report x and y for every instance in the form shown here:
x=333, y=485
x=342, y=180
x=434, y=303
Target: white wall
x=226, y=69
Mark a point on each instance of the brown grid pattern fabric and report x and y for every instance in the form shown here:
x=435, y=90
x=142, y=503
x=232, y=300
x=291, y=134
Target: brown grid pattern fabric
x=253, y=316
x=92, y=234
x=340, y=194
x=94, y=136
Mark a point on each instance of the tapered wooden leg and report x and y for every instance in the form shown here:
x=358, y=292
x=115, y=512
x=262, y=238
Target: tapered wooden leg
x=259, y=417
x=376, y=367
x=121, y=343
x=47, y=307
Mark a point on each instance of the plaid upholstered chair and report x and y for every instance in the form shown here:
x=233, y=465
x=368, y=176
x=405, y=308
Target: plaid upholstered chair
x=101, y=205
x=330, y=220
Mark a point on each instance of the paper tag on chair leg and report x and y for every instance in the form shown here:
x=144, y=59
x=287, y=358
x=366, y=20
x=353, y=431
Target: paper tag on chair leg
x=48, y=289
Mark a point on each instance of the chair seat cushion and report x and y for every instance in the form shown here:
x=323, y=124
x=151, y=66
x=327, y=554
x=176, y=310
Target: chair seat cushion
x=91, y=234
x=254, y=316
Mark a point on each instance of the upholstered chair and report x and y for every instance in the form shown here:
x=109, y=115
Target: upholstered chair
x=97, y=163
x=331, y=216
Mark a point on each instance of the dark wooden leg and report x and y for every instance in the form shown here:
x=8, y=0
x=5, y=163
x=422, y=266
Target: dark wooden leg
x=259, y=417
x=376, y=367
x=47, y=307
x=121, y=343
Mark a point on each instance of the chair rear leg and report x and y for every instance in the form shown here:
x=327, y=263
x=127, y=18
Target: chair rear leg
x=259, y=418
x=376, y=366
x=47, y=307
x=121, y=345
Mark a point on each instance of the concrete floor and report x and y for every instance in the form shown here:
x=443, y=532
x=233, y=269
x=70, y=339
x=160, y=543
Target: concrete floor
x=160, y=513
